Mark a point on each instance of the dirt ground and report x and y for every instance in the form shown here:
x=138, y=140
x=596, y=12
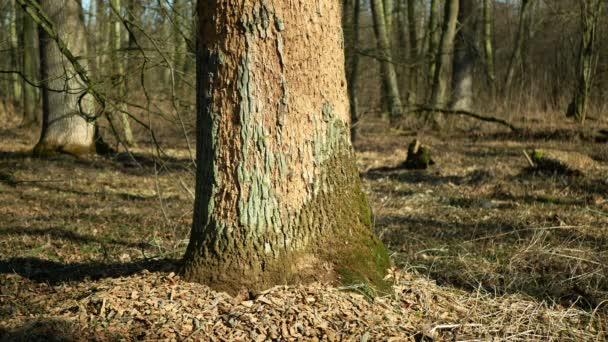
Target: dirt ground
x=484, y=248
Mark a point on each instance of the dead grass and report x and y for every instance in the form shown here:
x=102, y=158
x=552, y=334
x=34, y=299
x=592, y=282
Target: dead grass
x=484, y=250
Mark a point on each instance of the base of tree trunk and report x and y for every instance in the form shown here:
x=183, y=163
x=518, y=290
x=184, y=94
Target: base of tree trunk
x=45, y=149
x=335, y=244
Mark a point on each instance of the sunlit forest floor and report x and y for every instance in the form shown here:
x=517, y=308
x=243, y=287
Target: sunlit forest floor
x=484, y=248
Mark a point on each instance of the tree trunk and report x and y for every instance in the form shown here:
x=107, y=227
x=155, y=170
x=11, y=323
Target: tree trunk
x=443, y=57
x=278, y=196
x=515, y=59
x=352, y=8
x=413, y=37
x=432, y=35
x=120, y=72
x=591, y=12
x=30, y=101
x=487, y=45
x=464, y=57
x=64, y=129
x=388, y=74
x=15, y=55
x=389, y=9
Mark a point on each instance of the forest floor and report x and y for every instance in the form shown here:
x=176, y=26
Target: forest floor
x=484, y=249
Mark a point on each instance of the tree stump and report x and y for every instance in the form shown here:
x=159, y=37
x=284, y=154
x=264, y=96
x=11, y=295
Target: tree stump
x=419, y=156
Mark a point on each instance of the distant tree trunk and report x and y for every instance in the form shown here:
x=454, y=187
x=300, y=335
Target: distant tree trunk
x=278, y=196
x=487, y=45
x=591, y=12
x=352, y=13
x=515, y=58
x=118, y=61
x=388, y=74
x=433, y=41
x=413, y=37
x=464, y=57
x=30, y=101
x=64, y=130
x=389, y=9
x=134, y=9
x=101, y=32
x=15, y=55
x=439, y=89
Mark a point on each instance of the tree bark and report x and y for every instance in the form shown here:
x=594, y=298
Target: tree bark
x=64, y=129
x=590, y=12
x=388, y=74
x=464, y=57
x=278, y=196
x=443, y=57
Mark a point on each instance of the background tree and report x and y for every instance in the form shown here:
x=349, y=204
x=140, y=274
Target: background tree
x=590, y=14
x=278, y=196
x=439, y=89
x=388, y=74
x=464, y=56
x=64, y=128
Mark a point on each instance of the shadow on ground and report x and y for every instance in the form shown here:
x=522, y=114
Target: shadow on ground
x=52, y=272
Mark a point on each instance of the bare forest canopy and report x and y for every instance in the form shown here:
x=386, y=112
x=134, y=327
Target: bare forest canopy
x=503, y=58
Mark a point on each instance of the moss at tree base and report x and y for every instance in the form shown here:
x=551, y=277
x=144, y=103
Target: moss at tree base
x=334, y=229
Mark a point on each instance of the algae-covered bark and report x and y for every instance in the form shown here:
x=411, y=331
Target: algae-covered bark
x=278, y=196
x=64, y=128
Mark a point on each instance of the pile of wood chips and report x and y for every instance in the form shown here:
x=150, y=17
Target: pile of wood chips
x=161, y=306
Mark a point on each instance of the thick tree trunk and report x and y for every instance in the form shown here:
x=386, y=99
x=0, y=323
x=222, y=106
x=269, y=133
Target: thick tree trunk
x=439, y=89
x=464, y=57
x=278, y=196
x=591, y=12
x=387, y=68
x=64, y=129
x=30, y=101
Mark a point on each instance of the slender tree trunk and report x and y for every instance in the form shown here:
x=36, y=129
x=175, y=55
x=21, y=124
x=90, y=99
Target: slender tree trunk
x=413, y=37
x=30, y=99
x=64, y=129
x=180, y=43
x=120, y=72
x=15, y=53
x=591, y=12
x=388, y=74
x=464, y=57
x=101, y=32
x=389, y=11
x=487, y=45
x=351, y=16
x=278, y=196
x=439, y=89
x=432, y=35
x=515, y=58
